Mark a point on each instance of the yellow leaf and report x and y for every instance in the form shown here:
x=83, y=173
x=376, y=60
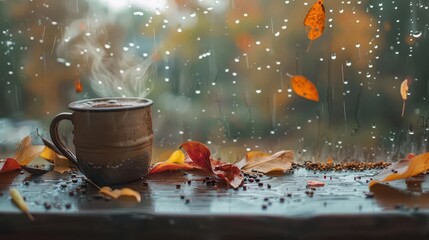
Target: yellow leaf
x=124, y=193
x=262, y=162
x=177, y=157
x=49, y=154
x=403, y=169
x=404, y=94
x=20, y=202
x=404, y=89
x=26, y=152
x=304, y=88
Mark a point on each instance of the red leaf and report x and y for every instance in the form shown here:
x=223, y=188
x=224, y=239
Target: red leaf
x=9, y=165
x=230, y=173
x=199, y=154
x=314, y=183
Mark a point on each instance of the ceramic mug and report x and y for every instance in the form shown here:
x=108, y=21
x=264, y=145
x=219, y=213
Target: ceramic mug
x=112, y=138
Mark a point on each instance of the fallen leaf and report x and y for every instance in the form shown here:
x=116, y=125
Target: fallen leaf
x=9, y=165
x=262, y=162
x=26, y=152
x=403, y=169
x=314, y=21
x=200, y=155
x=175, y=162
x=61, y=163
x=314, y=183
x=404, y=94
x=230, y=173
x=20, y=202
x=124, y=193
x=304, y=87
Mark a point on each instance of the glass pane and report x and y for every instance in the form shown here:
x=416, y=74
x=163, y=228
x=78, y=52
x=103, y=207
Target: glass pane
x=219, y=72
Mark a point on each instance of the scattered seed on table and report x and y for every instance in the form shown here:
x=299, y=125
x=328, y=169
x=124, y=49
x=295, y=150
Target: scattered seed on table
x=264, y=206
x=257, y=179
x=260, y=184
x=251, y=180
x=182, y=196
x=244, y=188
x=187, y=201
x=68, y=205
x=47, y=205
x=269, y=186
x=189, y=182
x=289, y=194
x=282, y=199
x=71, y=193
x=63, y=185
x=178, y=186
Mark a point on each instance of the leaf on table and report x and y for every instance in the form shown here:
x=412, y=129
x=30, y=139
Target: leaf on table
x=8, y=165
x=314, y=21
x=404, y=94
x=20, y=203
x=230, y=173
x=26, y=152
x=262, y=162
x=304, y=88
x=314, y=183
x=175, y=162
x=61, y=163
x=402, y=169
x=199, y=154
x=123, y=193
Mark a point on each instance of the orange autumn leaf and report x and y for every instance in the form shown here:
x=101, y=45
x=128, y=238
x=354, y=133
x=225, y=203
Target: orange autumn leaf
x=404, y=94
x=262, y=162
x=304, y=87
x=124, y=193
x=175, y=162
x=402, y=169
x=78, y=86
x=314, y=21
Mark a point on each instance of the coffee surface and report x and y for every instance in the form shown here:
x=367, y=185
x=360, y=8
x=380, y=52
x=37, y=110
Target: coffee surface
x=103, y=103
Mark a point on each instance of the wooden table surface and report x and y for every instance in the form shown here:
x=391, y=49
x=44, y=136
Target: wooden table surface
x=188, y=206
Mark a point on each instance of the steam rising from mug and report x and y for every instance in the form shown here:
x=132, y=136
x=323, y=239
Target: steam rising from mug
x=112, y=73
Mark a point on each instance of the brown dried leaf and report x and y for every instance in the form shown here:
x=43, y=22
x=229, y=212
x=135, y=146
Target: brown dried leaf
x=262, y=162
x=403, y=169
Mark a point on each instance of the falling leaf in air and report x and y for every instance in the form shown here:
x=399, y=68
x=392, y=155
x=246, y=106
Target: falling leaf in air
x=78, y=86
x=175, y=162
x=26, y=152
x=20, y=202
x=304, y=87
x=123, y=193
x=314, y=21
x=256, y=161
x=404, y=94
x=402, y=169
x=8, y=165
x=200, y=156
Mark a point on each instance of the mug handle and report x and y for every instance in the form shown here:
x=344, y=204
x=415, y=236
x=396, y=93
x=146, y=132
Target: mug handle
x=53, y=129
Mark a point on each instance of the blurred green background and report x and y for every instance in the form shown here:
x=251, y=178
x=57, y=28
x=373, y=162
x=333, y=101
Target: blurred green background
x=217, y=72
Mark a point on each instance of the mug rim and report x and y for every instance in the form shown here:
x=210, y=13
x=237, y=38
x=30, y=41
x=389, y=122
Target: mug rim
x=145, y=103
